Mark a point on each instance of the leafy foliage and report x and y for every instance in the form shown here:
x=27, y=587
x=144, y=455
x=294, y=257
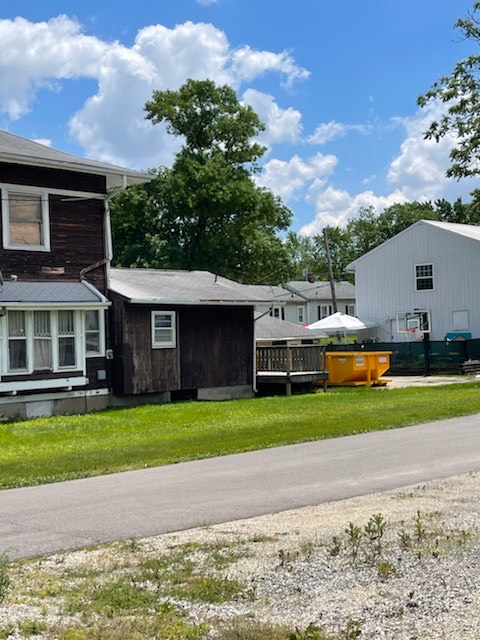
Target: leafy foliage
x=461, y=92
x=368, y=230
x=206, y=212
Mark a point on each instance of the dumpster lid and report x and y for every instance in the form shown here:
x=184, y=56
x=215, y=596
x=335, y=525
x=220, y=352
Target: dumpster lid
x=452, y=336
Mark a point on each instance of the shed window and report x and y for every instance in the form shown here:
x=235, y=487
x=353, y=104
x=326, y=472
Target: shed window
x=163, y=329
x=94, y=332
x=25, y=220
x=424, y=277
x=301, y=314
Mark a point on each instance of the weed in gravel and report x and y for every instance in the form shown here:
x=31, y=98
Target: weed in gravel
x=246, y=629
x=287, y=558
x=7, y=631
x=386, y=570
x=5, y=581
x=419, y=529
x=32, y=627
x=335, y=547
x=374, y=531
x=354, y=540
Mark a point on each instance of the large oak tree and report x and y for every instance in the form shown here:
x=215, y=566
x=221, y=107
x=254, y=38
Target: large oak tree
x=206, y=212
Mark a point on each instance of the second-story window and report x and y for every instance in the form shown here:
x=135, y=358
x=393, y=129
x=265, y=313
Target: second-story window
x=25, y=220
x=424, y=277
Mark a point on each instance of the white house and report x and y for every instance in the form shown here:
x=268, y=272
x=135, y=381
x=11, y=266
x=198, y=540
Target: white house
x=430, y=267
x=303, y=302
x=317, y=298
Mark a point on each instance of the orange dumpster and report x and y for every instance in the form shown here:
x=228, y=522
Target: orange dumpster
x=357, y=368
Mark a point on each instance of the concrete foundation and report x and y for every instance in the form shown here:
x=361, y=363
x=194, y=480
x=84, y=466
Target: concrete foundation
x=46, y=405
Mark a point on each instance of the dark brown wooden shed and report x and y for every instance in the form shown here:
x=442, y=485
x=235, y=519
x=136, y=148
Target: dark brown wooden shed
x=181, y=334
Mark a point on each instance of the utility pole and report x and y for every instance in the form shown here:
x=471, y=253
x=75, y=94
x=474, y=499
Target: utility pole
x=330, y=270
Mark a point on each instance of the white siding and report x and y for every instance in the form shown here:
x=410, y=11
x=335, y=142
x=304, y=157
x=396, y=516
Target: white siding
x=385, y=280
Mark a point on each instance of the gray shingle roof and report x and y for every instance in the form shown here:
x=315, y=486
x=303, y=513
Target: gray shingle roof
x=321, y=290
x=278, y=293
x=48, y=292
x=22, y=151
x=272, y=329
x=165, y=286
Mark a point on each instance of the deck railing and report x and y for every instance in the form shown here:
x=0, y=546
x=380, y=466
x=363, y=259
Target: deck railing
x=291, y=359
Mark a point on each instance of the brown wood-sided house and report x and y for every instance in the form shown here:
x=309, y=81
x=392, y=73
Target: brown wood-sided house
x=64, y=347
x=181, y=334
x=56, y=247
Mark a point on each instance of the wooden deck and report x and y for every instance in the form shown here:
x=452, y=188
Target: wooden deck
x=288, y=365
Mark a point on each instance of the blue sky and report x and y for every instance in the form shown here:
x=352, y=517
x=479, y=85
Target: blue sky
x=335, y=82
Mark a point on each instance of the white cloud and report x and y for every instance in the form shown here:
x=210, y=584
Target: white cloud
x=419, y=169
x=35, y=55
x=334, y=207
x=287, y=178
x=45, y=141
x=248, y=64
x=328, y=131
x=111, y=124
x=282, y=125
x=207, y=2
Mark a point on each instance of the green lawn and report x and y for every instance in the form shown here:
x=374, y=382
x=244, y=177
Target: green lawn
x=66, y=447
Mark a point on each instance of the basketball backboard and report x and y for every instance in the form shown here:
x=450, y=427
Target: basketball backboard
x=414, y=321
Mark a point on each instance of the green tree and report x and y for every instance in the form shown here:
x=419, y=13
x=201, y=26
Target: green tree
x=206, y=212
x=460, y=91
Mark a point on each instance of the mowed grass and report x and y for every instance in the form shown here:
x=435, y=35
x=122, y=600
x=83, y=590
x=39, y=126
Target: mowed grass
x=67, y=447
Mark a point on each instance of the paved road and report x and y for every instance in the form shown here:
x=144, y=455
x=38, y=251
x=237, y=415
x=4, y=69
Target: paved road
x=66, y=515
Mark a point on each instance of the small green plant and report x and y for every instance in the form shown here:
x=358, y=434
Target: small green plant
x=307, y=549
x=354, y=540
x=287, y=558
x=386, y=570
x=5, y=581
x=419, y=530
x=404, y=540
x=312, y=632
x=7, y=631
x=32, y=627
x=353, y=630
x=374, y=531
x=336, y=546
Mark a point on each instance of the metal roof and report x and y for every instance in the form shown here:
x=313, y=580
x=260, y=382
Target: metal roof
x=49, y=293
x=165, y=286
x=22, y=151
x=470, y=231
x=273, y=329
x=321, y=290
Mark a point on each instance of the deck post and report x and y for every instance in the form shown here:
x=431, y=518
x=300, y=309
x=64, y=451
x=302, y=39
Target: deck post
x=288, y=367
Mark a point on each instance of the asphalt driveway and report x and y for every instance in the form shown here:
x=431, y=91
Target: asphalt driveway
x=66, y=515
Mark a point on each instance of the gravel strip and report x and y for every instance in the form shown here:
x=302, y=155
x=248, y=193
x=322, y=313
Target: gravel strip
x=417, y=578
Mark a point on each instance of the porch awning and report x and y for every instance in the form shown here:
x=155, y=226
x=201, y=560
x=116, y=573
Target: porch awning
x=13, y=293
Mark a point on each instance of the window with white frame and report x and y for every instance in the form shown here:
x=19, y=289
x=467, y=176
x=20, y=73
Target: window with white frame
x=424, y=277
x=350, y=309
x=278, y=312
x=163, y=329
x=301, y=314
x=324, y=310
x=25, y=219
x=44, y=341
x=94, y=332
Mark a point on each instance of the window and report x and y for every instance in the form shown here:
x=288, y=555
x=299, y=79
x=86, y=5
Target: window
x=163, y=329
x=278, y=312
x=25, y=220
x=324, y=310
x=42, y=341
x=66, y=339
x=424, y=277
x=94, y=343
x=17, y=341
x=301, y=314
x=350, y=309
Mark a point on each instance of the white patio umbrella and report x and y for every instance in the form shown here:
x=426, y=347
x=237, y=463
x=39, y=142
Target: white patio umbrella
x=338, y=323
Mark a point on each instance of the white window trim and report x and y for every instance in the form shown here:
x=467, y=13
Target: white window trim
x=173, y=342
x=417, y=278
x=301, y=312
x=5, y=190
x=79, y=334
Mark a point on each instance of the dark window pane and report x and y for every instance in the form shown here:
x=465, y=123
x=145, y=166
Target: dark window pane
x=18, y=354
x=66, y=352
